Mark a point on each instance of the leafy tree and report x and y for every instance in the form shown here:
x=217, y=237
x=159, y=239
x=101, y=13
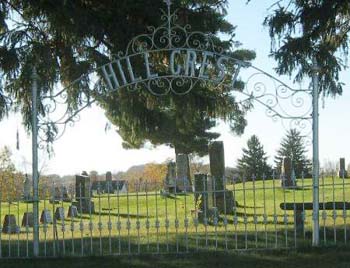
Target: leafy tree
x=254, y=160
x=301, y=30
x=154, y=174
x=10, y=179
x=292, y=146
x=66, y=39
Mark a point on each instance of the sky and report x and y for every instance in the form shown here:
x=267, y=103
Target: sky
x=87, y=146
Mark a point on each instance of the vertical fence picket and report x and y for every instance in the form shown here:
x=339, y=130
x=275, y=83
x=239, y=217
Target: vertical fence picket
x=334, y=210
x=176, y=223
x=225, y=214
x=1, y=230
x=213, y=211
x=54, y=225
x=205, y=196
x=81, y=224
x=91, y=224
x=235, y=218
x=245, y=217
x=109, y=223
x=99, y=225
x=303, y=202
x=9, y=228
x=63, y=224
x=147, y=216
x=265, y=222
x=138, y=224
x=285, y=215
x=275, y=217
x=118, y=217
x=344, y=208
x=27, y=230
x=157, y=225
x=128, y=223
x=324, y=213
x=18, y=231
x=294, y=213
x=167, y=224
x=255, y=218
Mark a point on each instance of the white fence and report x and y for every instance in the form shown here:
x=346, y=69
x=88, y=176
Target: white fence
x=247, y=215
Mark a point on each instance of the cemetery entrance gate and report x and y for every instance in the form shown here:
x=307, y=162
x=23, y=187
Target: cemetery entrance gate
x=188, y=59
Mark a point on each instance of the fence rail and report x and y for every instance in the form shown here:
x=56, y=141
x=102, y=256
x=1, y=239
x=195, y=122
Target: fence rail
x=148, y=219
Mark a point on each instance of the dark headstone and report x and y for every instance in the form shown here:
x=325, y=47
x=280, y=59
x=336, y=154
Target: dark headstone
x=59, y=213
x=183, y=177
x=46, y=216
x=83, y=193
x=82, y=187
x=28, y=219
x=108, y=176
x=201, y=195
x=65, y=195
x=342, y=171
x=217, y=163
x=287, y=174
x=27, y=189
x=10, y=226
x=109, y=187
x=223, y=199
x=72, y=212
x=170, y=178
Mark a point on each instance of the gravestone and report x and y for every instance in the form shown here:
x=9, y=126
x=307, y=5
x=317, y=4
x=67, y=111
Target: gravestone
x=342, y=171
x=46, y=217
x=170, y=177
x=28, y=219
x=83, y=194
x=72, y=212
x=59, y=213
x=55, y=195
x=223, y=199
x=201, y=197
x=65, y=194
x=26, y=189
x=287, y=173
x=183, y=177
x=217, y=163
x=109, y=186
x=10, y=226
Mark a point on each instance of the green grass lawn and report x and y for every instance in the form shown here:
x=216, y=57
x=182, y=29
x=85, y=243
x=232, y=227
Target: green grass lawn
x=307, y=257
x=148, y=222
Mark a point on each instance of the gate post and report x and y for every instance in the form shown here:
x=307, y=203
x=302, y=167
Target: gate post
x=315, y=155
x=35, y=163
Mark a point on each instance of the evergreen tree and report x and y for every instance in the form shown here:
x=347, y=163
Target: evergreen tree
x=66, y=39
x=292, y=146
x=254, y=160
x=303, y=30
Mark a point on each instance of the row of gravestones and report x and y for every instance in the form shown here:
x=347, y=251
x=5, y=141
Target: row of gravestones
x=10, y=225
x=83, y=204
x=288, y=179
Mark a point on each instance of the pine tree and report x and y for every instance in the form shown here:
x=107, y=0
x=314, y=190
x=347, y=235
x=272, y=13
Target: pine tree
x=293, y=147
x=304, y=30
x=254, y=160
x=66, y=39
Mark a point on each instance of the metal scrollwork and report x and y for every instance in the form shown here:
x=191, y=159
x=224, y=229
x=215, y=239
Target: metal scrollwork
x=157, y=49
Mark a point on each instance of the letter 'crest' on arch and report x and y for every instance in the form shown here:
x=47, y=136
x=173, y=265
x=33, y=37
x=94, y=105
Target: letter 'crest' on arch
x=171, y=59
